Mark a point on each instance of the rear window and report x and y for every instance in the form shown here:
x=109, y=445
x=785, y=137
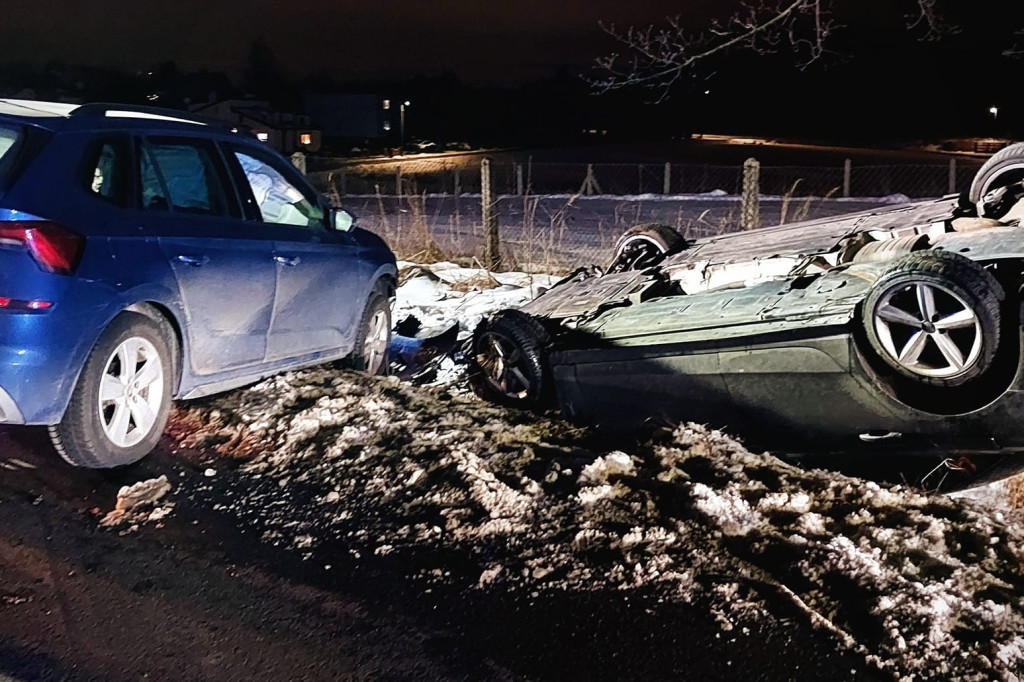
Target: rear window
x=10, y=139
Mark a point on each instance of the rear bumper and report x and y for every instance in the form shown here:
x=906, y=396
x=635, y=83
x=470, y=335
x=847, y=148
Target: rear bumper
x=41, y=355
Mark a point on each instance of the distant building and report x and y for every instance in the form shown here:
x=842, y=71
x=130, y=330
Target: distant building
x=283, y=131
x=355, y=117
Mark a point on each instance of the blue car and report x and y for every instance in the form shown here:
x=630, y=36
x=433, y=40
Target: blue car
x=147, y=256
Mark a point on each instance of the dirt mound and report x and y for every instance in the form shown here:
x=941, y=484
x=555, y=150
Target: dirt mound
x=470, y=496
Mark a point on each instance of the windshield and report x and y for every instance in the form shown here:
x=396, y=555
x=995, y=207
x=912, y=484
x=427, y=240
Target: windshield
x=10, y=136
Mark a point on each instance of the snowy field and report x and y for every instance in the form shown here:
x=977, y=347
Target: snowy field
x=463, y=498
x=558, y=232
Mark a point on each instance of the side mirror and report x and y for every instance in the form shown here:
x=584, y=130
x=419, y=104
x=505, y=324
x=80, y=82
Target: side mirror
x=341, y=220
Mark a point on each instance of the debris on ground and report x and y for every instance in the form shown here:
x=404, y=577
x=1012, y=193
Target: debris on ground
x=138, y=504
x=438, y=306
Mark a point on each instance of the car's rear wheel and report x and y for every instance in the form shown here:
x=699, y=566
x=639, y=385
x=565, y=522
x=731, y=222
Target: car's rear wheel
x=121, y=402
x=644, y=246
x=507, y=360
x=374, y=334
x=997, y=184
x=934, y=317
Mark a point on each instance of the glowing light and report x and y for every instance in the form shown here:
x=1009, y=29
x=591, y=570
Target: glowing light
x=262, y=137
x=306, y=139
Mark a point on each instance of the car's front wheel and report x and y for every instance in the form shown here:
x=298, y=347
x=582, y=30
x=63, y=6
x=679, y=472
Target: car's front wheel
x=374, y=335
x=507, y=361
x=121, y=402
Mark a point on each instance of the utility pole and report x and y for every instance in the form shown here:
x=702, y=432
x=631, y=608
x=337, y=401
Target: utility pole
x=401, y=124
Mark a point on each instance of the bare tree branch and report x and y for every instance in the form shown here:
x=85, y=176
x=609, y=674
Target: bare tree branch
x=658, y=57
x=930, y=21
x=1017, y=50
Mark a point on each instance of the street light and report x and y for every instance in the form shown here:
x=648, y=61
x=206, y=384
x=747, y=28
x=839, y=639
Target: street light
x=401, y=124
x=994, y=111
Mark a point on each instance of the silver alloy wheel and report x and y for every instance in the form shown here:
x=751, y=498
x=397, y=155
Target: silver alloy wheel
x=928, y=329
x=375, y=346
x=500, y=359
x=131, y=392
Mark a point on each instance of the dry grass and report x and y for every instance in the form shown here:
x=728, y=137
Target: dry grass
x=1015, y=491
x=803, y=210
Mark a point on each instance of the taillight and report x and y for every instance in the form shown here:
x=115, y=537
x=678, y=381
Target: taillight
x=15, y=304
x=54, y=248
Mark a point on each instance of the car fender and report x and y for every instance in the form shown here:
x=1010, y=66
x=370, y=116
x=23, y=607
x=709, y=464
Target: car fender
x=386, y=271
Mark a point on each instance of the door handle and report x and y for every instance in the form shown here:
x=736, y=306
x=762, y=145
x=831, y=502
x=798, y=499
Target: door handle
x=194, y=261
x=287, y=260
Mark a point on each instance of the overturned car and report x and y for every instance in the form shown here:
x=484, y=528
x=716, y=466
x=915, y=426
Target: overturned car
x=898, y=328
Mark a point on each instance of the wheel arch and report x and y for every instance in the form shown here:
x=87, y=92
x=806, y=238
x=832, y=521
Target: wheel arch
x=158, y=310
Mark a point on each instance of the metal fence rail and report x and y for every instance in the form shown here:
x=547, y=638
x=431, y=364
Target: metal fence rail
x=554, y=216
x=439, y=176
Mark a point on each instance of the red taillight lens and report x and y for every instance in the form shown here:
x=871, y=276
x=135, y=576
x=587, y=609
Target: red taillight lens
x=54, y=248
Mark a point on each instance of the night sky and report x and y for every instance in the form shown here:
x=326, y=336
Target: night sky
x=481, y=40
x=882, y=81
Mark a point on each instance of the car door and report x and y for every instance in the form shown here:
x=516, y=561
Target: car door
x=320, y=292
x=223, y=264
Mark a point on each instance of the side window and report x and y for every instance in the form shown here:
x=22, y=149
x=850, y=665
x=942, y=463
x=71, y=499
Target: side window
x=154, y=196
x=279, y=200
x=107, y=174
x=184, y=176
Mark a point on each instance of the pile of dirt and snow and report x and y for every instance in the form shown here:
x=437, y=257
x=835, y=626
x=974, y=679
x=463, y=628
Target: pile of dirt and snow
x=472, y=497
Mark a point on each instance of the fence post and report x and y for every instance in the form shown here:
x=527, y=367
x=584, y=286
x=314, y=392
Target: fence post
x=750, y=211
x=519, y=179
x=492, y=244
x=847, y=172
x=458, y=201
x=590, y=186
x=667, y=189
x=952, y=176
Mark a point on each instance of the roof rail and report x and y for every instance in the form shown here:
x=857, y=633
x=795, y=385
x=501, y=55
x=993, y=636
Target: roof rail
x=141, y=111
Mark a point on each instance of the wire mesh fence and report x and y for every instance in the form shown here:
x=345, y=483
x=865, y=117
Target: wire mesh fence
x=555, y=216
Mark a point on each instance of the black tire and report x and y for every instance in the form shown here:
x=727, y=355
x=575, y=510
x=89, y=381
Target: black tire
x=1006, y=167
x=507, y=360
x=81, y=437
x=959, y=341
x=373, y=358
x=644, y=246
